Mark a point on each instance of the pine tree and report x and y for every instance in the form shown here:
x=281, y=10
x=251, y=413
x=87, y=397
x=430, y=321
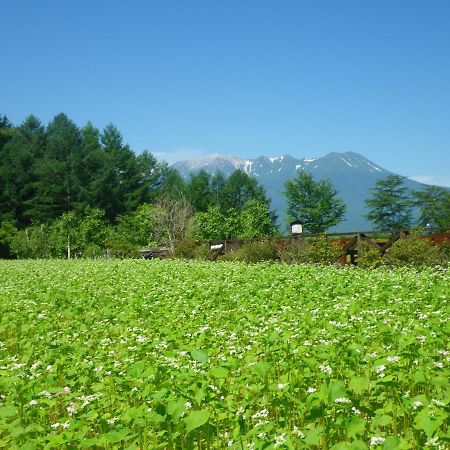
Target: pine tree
x=390, y=207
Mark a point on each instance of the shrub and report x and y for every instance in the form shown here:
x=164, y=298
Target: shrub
x=189, y=249
x=322, y=251
x=415, y=252
x=294, y=252
x=316, y=250
x=185, y=248
x=369, y=257
x=254, y=252
x=445, y=250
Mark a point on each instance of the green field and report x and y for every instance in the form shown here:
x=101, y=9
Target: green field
x=172, y=354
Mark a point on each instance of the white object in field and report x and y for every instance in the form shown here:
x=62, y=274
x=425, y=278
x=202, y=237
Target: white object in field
x=216, y=247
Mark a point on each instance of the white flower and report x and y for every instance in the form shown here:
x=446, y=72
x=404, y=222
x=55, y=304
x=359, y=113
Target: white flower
x=65, y=425
x=439, y=365
x=49, y=368
x=381, y=368
x=376, y=440
x=261, y=414
x=355, y=410
x=393, y=359
x=41, y=316
x=71, y=409
x=326, y=369
x=417, y=404
x=112, y=420
x=297, y=432
x=262, y=435
x=188, y=405
x=33, y=402
x=311, y=390
x=279, y=440
x=230, y=443
x=281, y=386
x=55, y=425
x=342, y=400
x=437, y=403
x=45, y=394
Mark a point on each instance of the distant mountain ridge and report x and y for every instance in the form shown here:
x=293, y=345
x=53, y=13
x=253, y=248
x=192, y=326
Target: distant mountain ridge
x=351, y=174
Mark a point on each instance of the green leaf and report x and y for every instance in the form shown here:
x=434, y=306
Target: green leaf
x=341, y=446
x=336, y=389
x=382, y=421
x=358, y=445
x=7, y=411
x=176, y=408
x=355, y=425
x=219, y=372
x=118, y=435
x=261, y=369
x=427, y=423
x=196, y=419
x=391, y=443
x=359, y=385
x=199, y=355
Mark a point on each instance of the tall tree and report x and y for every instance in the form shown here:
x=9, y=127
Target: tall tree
x=217, y=185
x=390, y=207
x=315, y=203
x=17, y=171
x=173, y=185
x=57, y=187
x=198, y=191
x=239, y=188
x=6, y=130
x=434, y=206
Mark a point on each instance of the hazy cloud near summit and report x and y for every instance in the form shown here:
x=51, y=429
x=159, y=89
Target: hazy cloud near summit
x=435, y=180
x=181, y=154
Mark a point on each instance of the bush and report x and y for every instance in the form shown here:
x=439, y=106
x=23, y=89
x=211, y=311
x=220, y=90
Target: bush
x=414, y=252
x=189, y=249
x=294, y=252
x=254, y=252
x=316, y=250
x=369, y=257
x=322, y=251
x=445, y=250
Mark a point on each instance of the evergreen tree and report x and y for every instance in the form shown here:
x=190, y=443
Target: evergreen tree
x=172, y=186
x=18, y=176
x=390, y=207
x=198, y=191
x=6, y=131
x=57, y=187
x=313, y=202
x=434, y=206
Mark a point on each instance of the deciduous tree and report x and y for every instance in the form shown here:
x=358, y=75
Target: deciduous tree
x=315, y=203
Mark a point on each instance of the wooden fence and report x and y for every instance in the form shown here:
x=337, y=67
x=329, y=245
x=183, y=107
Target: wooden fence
x=351, y=242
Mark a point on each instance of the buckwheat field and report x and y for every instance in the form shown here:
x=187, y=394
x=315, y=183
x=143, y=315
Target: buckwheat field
x=181, y=355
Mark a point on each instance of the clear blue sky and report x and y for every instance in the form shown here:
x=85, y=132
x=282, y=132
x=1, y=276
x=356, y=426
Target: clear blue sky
x=248, y=78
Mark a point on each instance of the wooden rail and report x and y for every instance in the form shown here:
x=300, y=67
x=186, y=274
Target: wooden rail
x=351, y=242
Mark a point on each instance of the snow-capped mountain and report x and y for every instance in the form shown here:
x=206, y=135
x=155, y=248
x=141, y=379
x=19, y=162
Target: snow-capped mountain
x=351, y=174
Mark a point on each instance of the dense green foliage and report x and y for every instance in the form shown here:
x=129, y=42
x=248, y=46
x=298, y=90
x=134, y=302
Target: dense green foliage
x=390, y=207
x=50, y=177
x=172, y=354
x=314, y=203
x=434, y=206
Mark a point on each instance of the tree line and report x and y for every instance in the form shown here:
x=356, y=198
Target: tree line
x=69, y=191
